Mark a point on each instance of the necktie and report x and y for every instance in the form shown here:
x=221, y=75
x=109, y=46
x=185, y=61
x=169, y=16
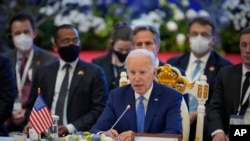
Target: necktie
x=197, y=68
x=23, y=63
x=245, y=86
x=62, y=94
x=27, y=83
x=140, y=115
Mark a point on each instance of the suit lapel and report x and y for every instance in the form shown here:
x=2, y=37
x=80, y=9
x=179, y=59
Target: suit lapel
x=183, y=62
x=210, y=67
x=237, y=75
x=13, y=58
x=152, y=106
x=77, y=75
x=131, y=113
x=110, y=70
x=35, y=61
x=52, y=81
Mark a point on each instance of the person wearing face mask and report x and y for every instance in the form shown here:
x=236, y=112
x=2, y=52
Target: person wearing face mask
x=72, y=88
x=201, y=33
x=25, y=58
x=119, y=47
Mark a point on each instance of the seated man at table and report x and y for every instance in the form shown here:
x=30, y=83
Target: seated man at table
x=149, y=107
x=73, y=89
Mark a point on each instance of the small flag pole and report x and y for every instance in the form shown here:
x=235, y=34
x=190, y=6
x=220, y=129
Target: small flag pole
x=38, y=91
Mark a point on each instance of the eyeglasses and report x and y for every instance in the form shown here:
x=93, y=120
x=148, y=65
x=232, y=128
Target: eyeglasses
x=68, y=41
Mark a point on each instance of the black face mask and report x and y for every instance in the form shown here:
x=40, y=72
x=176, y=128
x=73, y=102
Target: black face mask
x=69, y=53
x=121, y=56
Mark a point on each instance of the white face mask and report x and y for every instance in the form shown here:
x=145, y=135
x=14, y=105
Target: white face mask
x=23, y=42
x=199, y=44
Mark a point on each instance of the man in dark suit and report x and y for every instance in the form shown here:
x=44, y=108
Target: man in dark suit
x=84, y=97
x=201, y=32
x=7, y=92
x=147, y=37
x=160, y=104
x=228, y=98
x=25, y=58
x=3, y=47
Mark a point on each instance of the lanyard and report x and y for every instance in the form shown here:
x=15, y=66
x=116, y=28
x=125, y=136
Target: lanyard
x=115, y=71
x=21, y=81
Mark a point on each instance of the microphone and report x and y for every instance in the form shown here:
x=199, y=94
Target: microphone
x=128, y=106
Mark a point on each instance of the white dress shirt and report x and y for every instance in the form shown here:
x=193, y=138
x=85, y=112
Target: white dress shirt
x=60, y=76
x=146, y=98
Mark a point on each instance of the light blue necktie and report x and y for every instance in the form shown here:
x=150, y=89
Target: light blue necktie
x=140, y=115
x=197, y=68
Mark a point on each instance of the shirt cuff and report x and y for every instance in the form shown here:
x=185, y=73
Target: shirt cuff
x=217, y=131
x=99, y=133
x=71, y=128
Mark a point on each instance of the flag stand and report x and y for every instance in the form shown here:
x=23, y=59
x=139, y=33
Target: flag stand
x=40, y=117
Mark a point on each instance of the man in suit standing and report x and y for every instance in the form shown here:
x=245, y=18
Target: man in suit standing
x=201, y=32
x=230, y=96
x=80, y=101
x=151, y=107
x=25, y=58
x=7, y=92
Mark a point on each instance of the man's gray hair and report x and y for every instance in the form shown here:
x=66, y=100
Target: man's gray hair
x=142, y=52
x=150, y=28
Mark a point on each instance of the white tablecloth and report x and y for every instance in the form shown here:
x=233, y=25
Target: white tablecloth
x=7, y=139
x=11, y=139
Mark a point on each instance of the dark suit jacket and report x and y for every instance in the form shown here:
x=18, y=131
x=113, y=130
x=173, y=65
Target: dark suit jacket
x=3, y=47
x=7, y=90
x=41, y=57
x=214, y=64
x=162, y=115
x=105, y=62
x=226, y=98
x=86, y=97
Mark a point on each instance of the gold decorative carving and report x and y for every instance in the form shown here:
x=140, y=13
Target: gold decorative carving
x=172, y=77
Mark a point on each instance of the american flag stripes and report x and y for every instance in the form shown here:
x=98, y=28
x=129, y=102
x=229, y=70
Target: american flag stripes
x=40, y=117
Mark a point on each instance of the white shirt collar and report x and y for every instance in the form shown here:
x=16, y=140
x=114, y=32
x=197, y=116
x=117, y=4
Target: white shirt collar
x=203, y=59
x=19, y=55
x=72, y=64
x=244, y=70
x=146, y=95
x=157, y=62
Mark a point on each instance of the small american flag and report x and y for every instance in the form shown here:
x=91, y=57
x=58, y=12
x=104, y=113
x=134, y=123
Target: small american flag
x=40, y=117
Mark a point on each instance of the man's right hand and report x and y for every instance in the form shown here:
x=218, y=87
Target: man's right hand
x=26, y=128
x=18, y=116
x=111, y=133
x=220, y=136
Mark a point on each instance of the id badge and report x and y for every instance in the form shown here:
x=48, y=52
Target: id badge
x=17, y=105
x=236, y=120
